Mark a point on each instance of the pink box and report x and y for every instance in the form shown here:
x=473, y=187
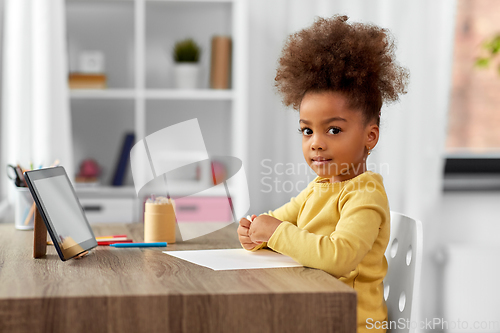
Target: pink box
x=203, y=209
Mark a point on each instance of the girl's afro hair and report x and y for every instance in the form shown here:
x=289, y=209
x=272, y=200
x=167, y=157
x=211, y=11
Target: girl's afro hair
x=355, y=59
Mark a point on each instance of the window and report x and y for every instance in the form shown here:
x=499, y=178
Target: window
x=473, y=142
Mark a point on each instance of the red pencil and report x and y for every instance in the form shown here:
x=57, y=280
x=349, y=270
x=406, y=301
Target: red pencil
x=114, y=242
x=112, y=236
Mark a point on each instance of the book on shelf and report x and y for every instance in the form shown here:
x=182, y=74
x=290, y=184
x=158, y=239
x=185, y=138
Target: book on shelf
x=87, y=81
x=220, y=65
x=123, y=160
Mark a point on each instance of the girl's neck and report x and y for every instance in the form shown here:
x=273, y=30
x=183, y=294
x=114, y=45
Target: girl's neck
x=350, y=173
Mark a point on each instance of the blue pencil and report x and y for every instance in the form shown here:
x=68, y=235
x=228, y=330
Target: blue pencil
x=159, y=244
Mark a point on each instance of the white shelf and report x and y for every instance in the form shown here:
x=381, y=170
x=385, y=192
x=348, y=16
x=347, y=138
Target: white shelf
x=172, y=94
x=101, y=1
x=185, y=188
x=102, y=93
x=105, y=191
x=203, y=1
x=198, y=94
x=167, y=1
x=177, y=188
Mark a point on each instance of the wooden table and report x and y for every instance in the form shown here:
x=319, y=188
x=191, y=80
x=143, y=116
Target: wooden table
x=145, y=290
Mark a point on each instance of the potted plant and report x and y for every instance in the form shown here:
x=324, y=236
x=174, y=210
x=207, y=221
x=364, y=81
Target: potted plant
x=186, y=55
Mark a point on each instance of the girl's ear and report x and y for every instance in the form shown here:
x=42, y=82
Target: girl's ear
x=372, y=133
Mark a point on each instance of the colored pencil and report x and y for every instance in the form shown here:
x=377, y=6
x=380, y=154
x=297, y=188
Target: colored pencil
x=111, y=239
x=30, y=214
x=111, y=236
x=159, y=244
x=104, y=243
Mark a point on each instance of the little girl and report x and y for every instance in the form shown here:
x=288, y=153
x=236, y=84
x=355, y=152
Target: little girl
x=337, y=75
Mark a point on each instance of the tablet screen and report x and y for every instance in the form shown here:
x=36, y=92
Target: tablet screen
x=63, y=210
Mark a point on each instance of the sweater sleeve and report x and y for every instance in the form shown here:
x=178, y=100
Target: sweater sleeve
x=289, y=211
x=361, y=215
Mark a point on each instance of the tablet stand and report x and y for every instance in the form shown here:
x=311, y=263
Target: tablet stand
x=40, y=236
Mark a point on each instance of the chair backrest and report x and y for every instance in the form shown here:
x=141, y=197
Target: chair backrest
x=404, y=257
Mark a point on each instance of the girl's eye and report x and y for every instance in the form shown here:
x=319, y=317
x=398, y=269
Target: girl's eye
x=334, y=130
x=305, y=131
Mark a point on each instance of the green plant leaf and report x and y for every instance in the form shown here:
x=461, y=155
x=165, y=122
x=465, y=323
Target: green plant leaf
x=482, y=62
x=495, y=45
x=186, y=51
x=492, y=45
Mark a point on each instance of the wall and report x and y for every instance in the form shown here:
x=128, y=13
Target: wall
x=468, y=218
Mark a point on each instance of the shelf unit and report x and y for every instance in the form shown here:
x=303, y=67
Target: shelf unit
x=172, y=94
x=135, y=37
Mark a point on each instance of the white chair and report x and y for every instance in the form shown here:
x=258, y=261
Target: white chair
x=404, y=257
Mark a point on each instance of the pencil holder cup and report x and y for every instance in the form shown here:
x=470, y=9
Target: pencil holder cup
x=159, y=221
x=24, y=209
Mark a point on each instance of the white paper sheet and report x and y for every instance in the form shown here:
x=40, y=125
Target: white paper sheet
x=235, y=259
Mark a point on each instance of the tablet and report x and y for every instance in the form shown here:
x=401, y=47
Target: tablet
x=61, y=211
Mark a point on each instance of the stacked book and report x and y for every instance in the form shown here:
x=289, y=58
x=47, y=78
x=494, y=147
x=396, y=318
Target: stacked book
x=220, y=64
x=87, y=81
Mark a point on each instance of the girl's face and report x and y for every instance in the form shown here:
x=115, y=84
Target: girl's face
x=335, y=139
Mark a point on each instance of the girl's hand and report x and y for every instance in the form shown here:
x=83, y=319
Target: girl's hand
x=243, y=237
x=262, y=228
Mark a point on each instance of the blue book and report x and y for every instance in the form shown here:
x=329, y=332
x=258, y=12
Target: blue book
x=121, y=166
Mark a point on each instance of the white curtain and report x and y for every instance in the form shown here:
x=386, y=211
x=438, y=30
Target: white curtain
x=36, y=124
x=410, y=152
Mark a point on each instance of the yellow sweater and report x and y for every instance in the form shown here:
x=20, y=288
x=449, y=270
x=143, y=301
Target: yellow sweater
x=342, y=228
